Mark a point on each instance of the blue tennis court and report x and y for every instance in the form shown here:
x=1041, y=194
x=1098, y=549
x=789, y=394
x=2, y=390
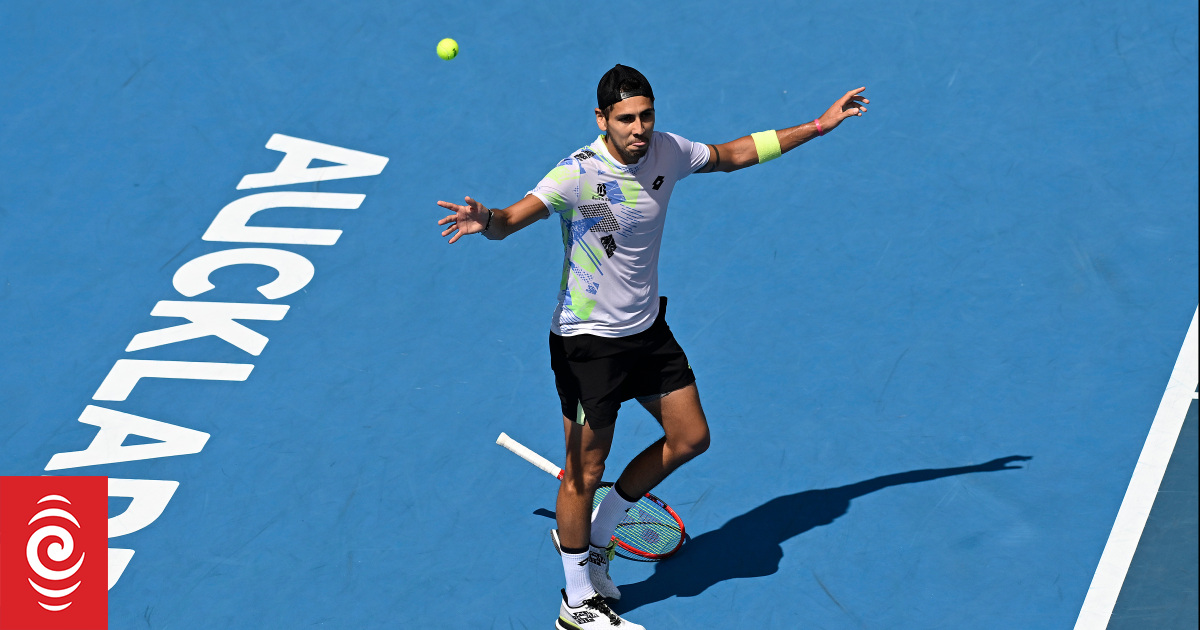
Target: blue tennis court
x=931, y=344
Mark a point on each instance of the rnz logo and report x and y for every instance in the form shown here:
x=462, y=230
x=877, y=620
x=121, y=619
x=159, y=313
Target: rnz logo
x=53, y=553
x=60, y=551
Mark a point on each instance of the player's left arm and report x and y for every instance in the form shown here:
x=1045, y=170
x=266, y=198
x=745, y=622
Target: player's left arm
x=743, y=152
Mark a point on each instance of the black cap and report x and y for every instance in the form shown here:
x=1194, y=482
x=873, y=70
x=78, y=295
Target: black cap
x=620, y=83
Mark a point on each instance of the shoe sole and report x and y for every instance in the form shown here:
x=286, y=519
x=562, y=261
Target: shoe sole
x=562, y=625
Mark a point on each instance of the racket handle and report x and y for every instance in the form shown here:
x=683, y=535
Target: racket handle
x=528, y=455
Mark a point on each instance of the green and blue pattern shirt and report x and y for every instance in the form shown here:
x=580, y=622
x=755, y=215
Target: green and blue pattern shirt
x=612, y=223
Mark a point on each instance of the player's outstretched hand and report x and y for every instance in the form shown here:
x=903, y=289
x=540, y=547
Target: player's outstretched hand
x=467, y=219
x=852, y=104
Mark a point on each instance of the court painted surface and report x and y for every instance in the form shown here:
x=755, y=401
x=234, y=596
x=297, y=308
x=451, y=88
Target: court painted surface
x=1160, y=590
x=997, y=262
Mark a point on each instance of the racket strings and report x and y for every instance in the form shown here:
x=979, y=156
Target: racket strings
x=648, y=528
x=654, y=538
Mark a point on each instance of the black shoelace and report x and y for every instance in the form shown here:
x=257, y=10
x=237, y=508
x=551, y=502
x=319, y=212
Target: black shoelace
x=597, y=602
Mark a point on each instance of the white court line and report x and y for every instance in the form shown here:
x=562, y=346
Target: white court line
x=1143, y=487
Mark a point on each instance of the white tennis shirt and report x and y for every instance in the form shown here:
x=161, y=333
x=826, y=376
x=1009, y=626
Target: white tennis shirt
x=612, y=223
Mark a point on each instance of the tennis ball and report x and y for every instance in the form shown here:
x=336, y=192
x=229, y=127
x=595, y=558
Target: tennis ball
x=447, y=49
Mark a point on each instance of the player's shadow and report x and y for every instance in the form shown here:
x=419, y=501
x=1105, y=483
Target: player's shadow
x=749, y=545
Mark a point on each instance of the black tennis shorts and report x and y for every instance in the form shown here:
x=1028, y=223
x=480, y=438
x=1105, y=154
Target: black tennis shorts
x=596, y=374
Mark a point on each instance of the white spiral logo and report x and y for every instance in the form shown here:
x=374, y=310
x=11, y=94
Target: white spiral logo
x=58, y=552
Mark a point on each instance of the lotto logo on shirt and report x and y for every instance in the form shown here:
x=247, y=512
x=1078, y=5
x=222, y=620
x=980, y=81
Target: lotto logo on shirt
x=53, y=553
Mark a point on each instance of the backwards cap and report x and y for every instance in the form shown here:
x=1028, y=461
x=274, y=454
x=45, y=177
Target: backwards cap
x=610, y=91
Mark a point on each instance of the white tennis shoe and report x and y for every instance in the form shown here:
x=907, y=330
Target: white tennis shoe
x=598, y=559
x=592, y=614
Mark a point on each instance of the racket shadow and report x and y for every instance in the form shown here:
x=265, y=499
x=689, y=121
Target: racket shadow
x=750, y=545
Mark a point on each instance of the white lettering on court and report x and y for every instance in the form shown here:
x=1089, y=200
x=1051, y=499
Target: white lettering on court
x=126, y=373
x=298, y=154
x=116, y=427
x=210, y=318
x=295, y=271
x=230, y=224
x=149, y=497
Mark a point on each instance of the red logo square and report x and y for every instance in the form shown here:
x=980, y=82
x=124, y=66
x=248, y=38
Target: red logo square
x=53, y=553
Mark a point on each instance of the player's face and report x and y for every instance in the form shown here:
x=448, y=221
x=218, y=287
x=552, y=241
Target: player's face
x=628, y=126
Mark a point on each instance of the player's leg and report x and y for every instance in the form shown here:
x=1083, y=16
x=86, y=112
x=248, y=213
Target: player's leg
x=662, y=380
x=587, y=385
x=582, y=608
x=587, y=449
x=585, y=380
x=686, y=435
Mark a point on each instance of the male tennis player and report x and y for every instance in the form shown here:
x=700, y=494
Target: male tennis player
x=609, y=339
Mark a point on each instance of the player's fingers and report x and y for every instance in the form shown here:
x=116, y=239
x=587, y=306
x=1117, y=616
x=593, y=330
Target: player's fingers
x=848, y=96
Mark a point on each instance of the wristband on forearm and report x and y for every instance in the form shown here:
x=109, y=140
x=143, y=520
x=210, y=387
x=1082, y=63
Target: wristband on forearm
x=487, y=225
x=766, y=143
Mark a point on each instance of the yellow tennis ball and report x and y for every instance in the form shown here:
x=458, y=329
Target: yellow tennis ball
x=447, y=49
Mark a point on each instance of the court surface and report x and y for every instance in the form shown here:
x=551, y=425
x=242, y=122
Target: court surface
x=931, y=344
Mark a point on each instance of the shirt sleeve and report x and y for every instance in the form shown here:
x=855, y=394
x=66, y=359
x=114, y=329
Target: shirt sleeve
x=559, y=189
x=692, y=155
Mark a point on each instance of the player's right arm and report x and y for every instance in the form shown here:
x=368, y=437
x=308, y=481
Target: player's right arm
x=494, y=223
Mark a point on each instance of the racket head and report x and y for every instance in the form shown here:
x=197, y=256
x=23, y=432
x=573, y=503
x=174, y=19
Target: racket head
x=651, y=530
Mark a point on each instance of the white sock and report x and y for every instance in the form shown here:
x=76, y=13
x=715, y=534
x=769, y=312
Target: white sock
x=579, y=585
x=606, y=517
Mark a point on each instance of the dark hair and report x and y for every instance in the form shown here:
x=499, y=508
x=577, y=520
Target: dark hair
x=618, y=84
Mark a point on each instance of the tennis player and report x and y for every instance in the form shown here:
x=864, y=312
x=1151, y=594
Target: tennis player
x=609, y=340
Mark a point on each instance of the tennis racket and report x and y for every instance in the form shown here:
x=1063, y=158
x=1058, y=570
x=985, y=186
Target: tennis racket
x=651, y=530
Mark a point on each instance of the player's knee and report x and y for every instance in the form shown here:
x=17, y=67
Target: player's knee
x=584, y=478
x=698, y=444
x=592, y=474
x=691, y=445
